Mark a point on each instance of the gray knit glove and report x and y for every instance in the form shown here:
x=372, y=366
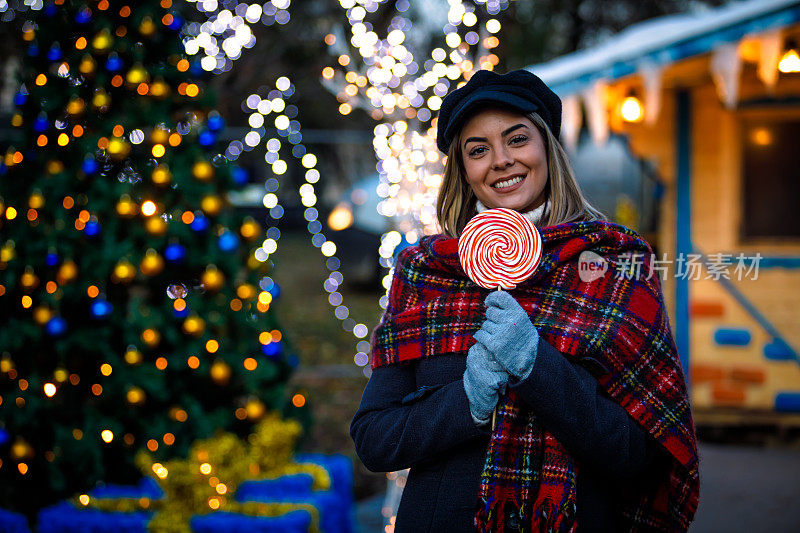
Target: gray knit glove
x=508, y=334
x=484, y=382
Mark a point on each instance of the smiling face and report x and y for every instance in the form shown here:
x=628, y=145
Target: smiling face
x=504, y=159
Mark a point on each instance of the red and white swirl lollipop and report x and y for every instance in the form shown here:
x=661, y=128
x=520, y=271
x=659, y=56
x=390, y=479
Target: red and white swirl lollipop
x=499, y=248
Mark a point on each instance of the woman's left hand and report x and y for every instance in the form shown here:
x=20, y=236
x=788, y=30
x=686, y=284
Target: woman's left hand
x=509, y=334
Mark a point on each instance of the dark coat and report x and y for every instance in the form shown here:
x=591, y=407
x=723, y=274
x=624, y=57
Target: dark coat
x=417, y=415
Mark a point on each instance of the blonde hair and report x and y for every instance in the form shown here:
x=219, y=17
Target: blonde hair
x=455, y=204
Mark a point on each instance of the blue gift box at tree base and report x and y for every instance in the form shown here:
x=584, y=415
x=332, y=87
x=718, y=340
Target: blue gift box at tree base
x=13, y=523
x=334, y=507
x=66, y=518
x=291, y=522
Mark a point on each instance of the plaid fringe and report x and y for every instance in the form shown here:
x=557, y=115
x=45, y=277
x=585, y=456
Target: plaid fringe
x=529, y=477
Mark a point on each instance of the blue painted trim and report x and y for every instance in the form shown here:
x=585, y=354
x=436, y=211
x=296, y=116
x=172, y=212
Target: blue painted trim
x=681, y=50
x=767, y=262
x=787, y=402
x=778, y=350
x=683, y=241
x=732, y=337
x=779, y=262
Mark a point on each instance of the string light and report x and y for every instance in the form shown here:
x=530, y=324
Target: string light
x=274, y=103
x=160, y=470
x=790, y=61
x=403, y=92
x=632, y=109
x=220, y=40
x=298, y=400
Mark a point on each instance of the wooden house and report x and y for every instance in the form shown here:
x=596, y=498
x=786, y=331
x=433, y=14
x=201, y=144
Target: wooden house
x=712, y=100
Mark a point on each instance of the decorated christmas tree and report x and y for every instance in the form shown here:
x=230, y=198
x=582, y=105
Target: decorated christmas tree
x=134, y=314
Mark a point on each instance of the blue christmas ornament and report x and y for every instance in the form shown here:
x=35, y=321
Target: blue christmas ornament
x=33, y=50
x=273, y=349
x=200, y=223
x=54, y=54
x=113, y=63
x=89, y=165
x=239, y=175
x=228, y=241
x=50, y=10
x=101, y=309
x=20, y=98
x=92, y=228
x=177, y=22
x=5, y=438
x=51, y=259
x=195, y=69
x=83, y=16
x=56, y=326
x=215, y=123
x=181, y=314
x=40, y=124
x=175, y=252
x=206, y=138
x=275, y=291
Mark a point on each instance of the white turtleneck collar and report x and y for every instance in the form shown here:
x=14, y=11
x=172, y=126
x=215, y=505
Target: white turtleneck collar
x=534, y=216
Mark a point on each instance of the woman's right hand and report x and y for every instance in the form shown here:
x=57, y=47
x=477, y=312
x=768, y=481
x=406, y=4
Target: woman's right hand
x=484, y=381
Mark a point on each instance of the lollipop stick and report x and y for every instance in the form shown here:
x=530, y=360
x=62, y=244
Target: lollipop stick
x=494, y=412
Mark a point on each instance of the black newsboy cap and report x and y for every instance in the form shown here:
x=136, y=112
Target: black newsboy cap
x=519, y=90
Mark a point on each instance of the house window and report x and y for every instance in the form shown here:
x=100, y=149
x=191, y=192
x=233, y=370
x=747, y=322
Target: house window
x=771, y=166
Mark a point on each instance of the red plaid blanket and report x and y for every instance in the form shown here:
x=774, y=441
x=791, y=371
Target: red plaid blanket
x=619, y=320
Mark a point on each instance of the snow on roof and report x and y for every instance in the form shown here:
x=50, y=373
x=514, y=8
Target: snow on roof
x=664, y=40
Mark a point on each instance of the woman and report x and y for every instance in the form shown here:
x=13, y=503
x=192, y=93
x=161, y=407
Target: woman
x=593, y=428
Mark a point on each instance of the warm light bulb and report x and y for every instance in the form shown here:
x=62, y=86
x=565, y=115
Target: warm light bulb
x=340, y=218
x=49, y=390
x=135, y=395
x=148, y=208
x=790, y=62
x=761, y=137
x=632, y=110
x=265, y=298
x=160, y=470
x=107, y=435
